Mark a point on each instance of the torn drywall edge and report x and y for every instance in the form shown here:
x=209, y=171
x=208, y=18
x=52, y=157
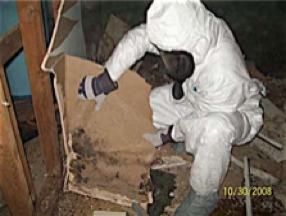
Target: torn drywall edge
x=105, y=195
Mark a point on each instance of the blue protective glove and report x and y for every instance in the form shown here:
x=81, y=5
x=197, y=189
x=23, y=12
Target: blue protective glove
x=96, y=88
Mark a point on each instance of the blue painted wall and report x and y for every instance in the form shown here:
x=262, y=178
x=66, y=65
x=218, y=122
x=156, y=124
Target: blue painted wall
x=16, y=70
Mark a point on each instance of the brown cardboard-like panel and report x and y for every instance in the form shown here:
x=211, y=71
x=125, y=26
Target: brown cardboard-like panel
x=125, y=114
x=112, y=151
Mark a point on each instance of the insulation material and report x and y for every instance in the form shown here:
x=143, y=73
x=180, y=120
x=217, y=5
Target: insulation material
x=106, y=156
x=113, y=33
x=275, y=128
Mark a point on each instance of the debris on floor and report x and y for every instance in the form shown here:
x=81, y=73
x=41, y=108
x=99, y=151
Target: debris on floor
x=164, y=186
x=153, y=71
x=138, y=210
x=276, y=88
x=261, y=206
x=94, y=168
x=168, y=162
x=247, y=188
x=2, y=200
x=268, y=178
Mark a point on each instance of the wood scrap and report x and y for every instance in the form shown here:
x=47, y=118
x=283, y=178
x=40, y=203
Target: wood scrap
x=282, y=198
x=274, y=126
x=136, y=208
x=283, y=156
x=25, y=111
x=171, y=209
x=247, y=185
x=27, y=127
x=277, y=155
x=270, y=141
x=169, y=162
x=257, y=172
x=271, y=110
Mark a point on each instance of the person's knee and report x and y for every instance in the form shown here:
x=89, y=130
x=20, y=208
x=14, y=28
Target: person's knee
x=210, y=167
x=218, y=129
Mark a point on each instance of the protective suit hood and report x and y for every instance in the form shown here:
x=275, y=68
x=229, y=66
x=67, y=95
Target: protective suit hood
x=182, y=25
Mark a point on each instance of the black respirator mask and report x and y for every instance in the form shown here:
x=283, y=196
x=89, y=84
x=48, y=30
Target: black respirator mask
x=180, y=66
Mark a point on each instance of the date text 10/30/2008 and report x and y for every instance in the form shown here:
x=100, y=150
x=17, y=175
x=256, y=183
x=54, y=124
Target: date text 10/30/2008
x=244, y=191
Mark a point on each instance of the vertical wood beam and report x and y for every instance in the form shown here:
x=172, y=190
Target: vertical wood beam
x=18, y=138
x=12, y=179
x=32, y=31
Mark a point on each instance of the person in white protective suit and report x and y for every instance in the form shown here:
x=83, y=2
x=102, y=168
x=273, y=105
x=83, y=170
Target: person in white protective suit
x=218, y=105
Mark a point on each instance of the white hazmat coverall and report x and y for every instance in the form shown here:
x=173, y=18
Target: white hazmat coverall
x=221, y=103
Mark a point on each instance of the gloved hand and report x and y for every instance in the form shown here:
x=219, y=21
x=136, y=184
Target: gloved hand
x=96, y=88
x=160, y=137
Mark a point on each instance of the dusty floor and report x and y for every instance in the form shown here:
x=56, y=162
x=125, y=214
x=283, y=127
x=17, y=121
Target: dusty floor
x=70, y=204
